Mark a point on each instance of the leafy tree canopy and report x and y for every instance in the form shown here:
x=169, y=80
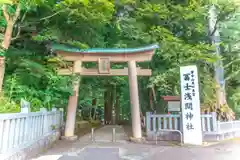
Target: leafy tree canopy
x=179, y=27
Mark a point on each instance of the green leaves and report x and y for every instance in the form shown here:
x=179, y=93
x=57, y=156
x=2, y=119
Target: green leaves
x=180, y=30
x=6, y=1
x=73, y=2
x=29, y=77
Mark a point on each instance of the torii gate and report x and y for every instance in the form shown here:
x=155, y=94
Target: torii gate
x=104, y=57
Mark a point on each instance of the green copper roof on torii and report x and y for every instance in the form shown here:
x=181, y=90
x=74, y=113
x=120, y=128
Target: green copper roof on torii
x=65, y=48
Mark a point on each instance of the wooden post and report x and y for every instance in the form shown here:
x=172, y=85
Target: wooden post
x=135, y=109
x=72, y=106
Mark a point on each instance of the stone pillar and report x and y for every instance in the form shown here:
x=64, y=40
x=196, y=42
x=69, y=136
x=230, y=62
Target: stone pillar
x=25, y=106
x=72, y=106
x=135, y=109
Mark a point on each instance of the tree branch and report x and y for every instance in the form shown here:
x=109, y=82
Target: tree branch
x=18, y=33
x=19, y=27
x=6, y=15
x=219, y=19
x=44, y=18
x=17, y=13
x=24, y=16
x=47, y=17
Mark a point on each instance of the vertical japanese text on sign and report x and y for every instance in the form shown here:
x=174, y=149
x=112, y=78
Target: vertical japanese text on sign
x=190, y=103
x=188, y=97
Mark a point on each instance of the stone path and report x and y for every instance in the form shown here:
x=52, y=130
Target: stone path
x=83, y=149
x=104, y=134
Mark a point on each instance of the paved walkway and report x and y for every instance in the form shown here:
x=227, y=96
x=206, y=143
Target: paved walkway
x=102, y=135
x=83, y=149
x=105, y=134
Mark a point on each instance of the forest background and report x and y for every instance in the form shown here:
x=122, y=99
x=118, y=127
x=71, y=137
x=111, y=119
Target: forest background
x=179, y=27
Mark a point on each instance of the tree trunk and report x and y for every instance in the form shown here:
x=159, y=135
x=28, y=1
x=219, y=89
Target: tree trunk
x=150, y=99
x=107, y=95
x=7, y=38
x=94, y=104
x=110, y=104
x=117, y=108
x=2, y=72
x=154, y=100
x=5, y=45
x=113, y=102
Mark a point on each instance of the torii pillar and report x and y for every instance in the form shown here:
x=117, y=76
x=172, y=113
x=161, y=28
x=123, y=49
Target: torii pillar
x=134, y=98
x=72, y=106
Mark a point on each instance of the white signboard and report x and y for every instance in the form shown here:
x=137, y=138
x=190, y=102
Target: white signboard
x=190, y=103
x=174, y=106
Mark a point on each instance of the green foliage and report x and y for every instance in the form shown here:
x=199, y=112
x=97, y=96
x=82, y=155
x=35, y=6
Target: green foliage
x=35, y=80
x=8, y=106
x=180, y=29
x=231, y=37
x=6, y=2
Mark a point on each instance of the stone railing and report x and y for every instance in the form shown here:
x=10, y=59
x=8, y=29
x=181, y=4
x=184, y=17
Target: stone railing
x=211, y=128
x=23, y=135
